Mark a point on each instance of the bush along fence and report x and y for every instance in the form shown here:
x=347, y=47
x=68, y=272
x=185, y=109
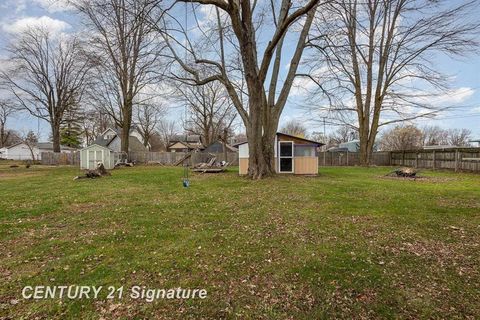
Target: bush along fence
x=458, y=159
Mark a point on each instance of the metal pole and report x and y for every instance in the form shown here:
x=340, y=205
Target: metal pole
x=325, y=145
x=457, y=154
x=434, y=159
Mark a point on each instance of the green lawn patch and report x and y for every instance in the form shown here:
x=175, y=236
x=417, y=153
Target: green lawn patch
x=349, y=243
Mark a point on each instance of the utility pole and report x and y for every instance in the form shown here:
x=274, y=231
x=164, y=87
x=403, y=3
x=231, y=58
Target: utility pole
x=325, y=145
x=225, y=138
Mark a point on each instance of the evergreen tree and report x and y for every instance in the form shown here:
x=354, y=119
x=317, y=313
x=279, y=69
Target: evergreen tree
x=71, y=130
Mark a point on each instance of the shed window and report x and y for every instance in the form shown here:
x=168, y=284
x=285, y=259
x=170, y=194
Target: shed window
x=305, y=150
x=285, y=149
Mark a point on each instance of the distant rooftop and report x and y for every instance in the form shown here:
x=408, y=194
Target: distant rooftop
x=444, y=147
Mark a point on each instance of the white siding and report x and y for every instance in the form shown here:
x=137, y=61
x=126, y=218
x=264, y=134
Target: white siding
x=137, y=135
x=116, y=144
x=243, y=150
x=22, y=152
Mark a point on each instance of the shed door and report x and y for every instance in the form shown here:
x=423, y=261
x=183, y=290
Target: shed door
x=285, y=158
x=94, y=157
x=91, y=159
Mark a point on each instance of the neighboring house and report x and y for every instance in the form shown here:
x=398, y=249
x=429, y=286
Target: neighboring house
x=185, y=143
x=350, y=146
x=443, y=147
x=292, y=155
x=217, y=147
x=21, y=151
x=3, y=152
x=236, y=144
x=477, y=141
x=111, y=139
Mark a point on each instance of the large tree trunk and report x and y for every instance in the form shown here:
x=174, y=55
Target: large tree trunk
x=56, y=137
x=261, y=139
x=367, y=142
x=2, y=136
x=124, y=138
x=261, y=159
x=127, y=123
x=364, y=158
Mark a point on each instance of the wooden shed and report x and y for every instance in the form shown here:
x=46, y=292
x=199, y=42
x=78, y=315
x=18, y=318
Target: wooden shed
x=93, y=154
x=293, y=155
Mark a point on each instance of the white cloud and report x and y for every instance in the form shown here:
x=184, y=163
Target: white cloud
x=54, y=5
x=53, y=25
x=449, y=98
x=454, y=96
x=16, y=6
x=302, y=86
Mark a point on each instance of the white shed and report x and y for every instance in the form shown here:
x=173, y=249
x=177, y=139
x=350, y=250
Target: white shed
x=93, y=154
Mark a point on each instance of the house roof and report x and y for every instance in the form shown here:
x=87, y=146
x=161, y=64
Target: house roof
x=236, y=144
x=13, y=145
x=94, y=144
x=103, y=142
x=43, y=145
x=195, y=138
x=187, y=145
x=118, y=131
x=135, y=145
x=289, y=135
x=49, y=146
x=229, y=147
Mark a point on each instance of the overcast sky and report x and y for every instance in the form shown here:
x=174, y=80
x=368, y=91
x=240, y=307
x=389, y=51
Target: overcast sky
x=17, y=14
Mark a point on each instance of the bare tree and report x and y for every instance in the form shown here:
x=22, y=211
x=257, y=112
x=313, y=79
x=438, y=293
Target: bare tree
x=6, y=111
x=46, y=76
x=434, y=135
x=294, y=128
x=166, y=130
x=252, y=74
x=149, y=116
x=94, y=122
x=407, y=137
x=373, y=60
x=210, y=110
x=459, y=137
x=30, y=140
x=127, y=56
x=341, y=135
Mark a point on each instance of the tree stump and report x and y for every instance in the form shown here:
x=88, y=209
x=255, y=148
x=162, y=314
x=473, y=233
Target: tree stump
x=406, y=172
x=92, y=174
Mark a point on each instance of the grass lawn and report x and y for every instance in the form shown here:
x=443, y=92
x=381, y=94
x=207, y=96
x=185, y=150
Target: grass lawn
x=349, y=243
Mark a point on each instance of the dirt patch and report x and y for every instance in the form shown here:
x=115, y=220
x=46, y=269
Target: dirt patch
x=15, y=174
x=459, y=203
x=418, y=179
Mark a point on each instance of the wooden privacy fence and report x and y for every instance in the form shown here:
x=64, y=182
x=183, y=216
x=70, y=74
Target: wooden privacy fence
x=344, y=158
x=144, y=157
x=170, y=158
x=458, y=159
x=60, y=158
x=466, y=159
